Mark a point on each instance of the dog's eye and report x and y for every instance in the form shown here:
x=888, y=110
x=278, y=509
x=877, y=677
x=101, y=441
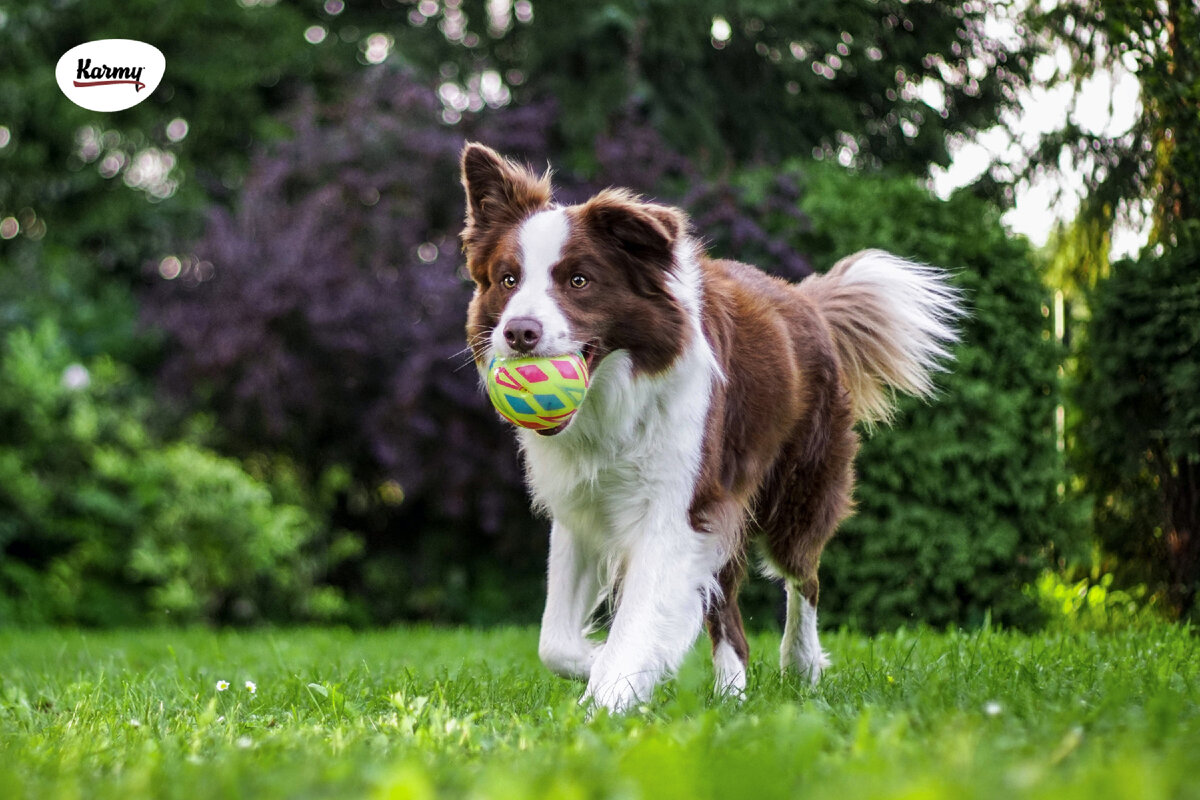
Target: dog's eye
x=578, y=281
x=508, y=281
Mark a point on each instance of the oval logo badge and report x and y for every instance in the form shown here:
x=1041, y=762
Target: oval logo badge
x=110, y=74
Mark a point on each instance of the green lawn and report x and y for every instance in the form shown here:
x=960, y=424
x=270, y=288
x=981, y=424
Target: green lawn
x=411, y=713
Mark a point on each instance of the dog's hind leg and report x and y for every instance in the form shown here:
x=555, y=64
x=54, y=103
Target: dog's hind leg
x=730, y=652
x=806, y=500
x=800, y=648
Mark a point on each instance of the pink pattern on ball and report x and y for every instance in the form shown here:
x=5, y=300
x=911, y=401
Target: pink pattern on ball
x=533, y=373
x=566, y=369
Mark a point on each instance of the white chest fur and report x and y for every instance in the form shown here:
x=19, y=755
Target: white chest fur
x=619, y=484
x=631, y=456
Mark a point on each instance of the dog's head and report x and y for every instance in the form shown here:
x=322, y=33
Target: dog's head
x=595, y=278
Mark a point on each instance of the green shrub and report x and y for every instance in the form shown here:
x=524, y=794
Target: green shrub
x=1093, y=603
x=101, y=523
x=1136, y=440
x=958, y=502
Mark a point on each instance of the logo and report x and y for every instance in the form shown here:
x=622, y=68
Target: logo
x=110, y=74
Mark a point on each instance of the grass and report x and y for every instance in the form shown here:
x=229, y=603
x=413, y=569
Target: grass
x=414, y=713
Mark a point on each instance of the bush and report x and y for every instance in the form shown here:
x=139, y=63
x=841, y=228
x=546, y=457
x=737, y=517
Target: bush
x=102, y=524
x=958, y=502
x=1136, y=441
x=1093, y=603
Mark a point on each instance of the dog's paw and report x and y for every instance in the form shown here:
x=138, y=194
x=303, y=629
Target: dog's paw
x=729, y=691
x=569, y=661
x=808, y=665
x=816, y=667
x=616, y=694
x=729, y=674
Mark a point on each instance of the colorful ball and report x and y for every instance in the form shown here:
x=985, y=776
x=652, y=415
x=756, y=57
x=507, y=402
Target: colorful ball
x=538, y=393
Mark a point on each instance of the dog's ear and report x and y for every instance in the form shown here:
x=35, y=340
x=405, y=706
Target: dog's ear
x=498, y=192
x=643, y=230
x=642, y=234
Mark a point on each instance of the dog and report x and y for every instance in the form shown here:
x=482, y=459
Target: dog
x=721, y=412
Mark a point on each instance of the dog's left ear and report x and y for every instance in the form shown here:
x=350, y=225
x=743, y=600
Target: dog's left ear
x=646, y=231
x=640, y=236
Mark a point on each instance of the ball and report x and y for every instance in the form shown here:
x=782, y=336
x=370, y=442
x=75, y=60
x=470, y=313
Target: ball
x=538, y=393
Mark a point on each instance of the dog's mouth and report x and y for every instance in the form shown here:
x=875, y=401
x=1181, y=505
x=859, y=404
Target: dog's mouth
x=592, y=353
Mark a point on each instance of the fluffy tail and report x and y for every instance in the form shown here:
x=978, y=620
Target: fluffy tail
x=892, y=322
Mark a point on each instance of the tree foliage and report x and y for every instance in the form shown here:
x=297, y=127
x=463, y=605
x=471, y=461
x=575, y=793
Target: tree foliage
x=878, y=83
x=872, y=83
x=1137, y=436
x=96, y=195
x=1133, y=434
x=88, y=176
x=1156, y=163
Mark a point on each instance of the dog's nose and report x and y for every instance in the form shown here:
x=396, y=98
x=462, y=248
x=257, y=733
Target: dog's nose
x=523, y=334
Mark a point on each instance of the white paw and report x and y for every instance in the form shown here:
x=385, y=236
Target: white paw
x=569, y=661
x=730, y=673
x=816, y=667
x=807, y=664
x=617, y=694
x=732, y=688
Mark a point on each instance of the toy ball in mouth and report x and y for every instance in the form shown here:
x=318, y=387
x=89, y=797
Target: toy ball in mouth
x=541, y=394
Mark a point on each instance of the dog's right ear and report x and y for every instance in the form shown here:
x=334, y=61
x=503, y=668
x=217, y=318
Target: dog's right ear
x=499, y=192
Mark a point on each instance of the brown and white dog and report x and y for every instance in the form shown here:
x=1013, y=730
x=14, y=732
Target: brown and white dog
x=721, y=411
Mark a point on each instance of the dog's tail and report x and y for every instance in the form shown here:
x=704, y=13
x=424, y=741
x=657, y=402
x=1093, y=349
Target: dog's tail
x=892, y=323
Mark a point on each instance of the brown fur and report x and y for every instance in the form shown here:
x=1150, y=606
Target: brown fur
x=499, y=195
x=780, y=440
x=624, y=244
x=873, y=346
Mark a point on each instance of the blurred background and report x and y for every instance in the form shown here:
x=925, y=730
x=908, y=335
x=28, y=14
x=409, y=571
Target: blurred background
x=232, y=383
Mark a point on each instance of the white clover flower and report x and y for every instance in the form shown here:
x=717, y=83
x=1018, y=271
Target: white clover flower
x=251, y=687
x=992, y=708
x=244, y=742
x=222, y=685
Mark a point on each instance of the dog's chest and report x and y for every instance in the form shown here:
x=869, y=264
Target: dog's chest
x=629, y=462
x=587, y=490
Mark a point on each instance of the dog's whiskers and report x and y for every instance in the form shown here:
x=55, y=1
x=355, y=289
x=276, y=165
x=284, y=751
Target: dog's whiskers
x=467, y=354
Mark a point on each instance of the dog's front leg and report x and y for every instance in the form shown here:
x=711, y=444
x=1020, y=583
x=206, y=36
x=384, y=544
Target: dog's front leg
x=668, y=574
x=572, y=591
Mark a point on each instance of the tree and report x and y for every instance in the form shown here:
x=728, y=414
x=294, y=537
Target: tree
x=872, y=83
x=1132, y=435
x=1155, y=165
x=1137, y=438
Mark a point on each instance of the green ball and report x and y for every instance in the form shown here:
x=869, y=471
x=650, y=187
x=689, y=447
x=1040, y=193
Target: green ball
x=538, y=393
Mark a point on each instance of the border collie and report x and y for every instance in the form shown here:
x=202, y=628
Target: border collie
x=721, y=411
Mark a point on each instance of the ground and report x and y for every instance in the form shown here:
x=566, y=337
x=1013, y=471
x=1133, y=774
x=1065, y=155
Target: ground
x=415, y=712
